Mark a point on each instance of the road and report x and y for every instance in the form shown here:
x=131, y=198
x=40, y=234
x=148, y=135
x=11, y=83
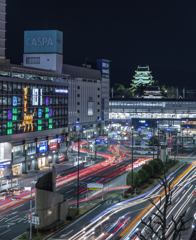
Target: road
x=103, y=223
x=13, y=220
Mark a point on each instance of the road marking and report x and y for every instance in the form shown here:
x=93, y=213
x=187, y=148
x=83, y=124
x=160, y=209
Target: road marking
x=188, y=209
x=193, y=200
x=18, y=206
x=11, y=218
x=5, y=231
x=70, y=199
x=78, y=219
x=18, y=236
x=66, y=234
x=70, y=190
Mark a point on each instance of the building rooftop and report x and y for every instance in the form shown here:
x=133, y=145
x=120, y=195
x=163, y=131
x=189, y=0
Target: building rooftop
x=152, y=88
x=81, y=72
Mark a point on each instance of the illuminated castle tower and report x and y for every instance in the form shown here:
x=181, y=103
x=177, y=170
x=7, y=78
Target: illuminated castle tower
x=142, y=78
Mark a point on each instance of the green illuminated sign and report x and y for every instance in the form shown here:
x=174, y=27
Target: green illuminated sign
x=39, y=128
x=39, y=122
x=50, y=120
x=50, y=126
x=9, y=124
x=46, y=109
x=14, y=110
x=9, y=131
x=46, y=115
x=14, y=118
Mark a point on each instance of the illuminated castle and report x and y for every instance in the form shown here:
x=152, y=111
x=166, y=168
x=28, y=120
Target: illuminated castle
x=142, y=78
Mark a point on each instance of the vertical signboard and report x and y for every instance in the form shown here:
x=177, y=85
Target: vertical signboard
x=104, y=66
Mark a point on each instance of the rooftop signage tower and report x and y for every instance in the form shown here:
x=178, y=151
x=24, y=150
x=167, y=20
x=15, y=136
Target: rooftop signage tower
x=142, y=78
x=43, y=49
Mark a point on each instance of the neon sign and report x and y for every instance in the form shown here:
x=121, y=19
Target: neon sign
x=28, y=118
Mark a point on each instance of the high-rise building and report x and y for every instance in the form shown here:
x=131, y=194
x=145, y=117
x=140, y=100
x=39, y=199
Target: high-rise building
x=142, y=77
x=2, y=28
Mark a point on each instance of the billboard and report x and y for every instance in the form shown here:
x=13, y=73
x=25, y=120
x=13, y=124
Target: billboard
x=104, y=66
x=46, y=41
x=95, y=186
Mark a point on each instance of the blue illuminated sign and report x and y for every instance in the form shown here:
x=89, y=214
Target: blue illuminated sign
x=97, y=140
x=2, y=166
x=104, y=66
x=39, y=113
x=59, y=139
x=149, y=135
x=139, y=129
x=45, y=41
x=14, y=101
x=146, y=124
x=168, y=129
x=43, y=147
x=187, y=127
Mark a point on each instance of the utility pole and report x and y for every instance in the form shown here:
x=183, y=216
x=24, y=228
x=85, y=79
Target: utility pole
x=78, y=173
x=158, y=139
x=132, y=159
x=153, y=150
x=31, y=215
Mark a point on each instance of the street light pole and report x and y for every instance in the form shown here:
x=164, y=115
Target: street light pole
x=132, y=159
x=78, y=174
x=153, y=151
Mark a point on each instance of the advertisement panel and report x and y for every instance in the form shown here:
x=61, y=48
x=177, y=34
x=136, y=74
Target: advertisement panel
x=46, y=41
x=104, y=66
x=94, y=186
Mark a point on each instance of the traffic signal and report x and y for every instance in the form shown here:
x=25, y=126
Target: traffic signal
x=29, y=217
x=171, y=138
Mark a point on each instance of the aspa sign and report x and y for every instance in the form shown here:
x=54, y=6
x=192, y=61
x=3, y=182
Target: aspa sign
x=39, y=41
x=61, y=90
x=46, y=41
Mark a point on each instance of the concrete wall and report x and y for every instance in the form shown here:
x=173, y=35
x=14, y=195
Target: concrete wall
x=49, y=207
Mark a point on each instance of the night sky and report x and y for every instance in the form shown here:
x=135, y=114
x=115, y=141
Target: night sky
x=159, y=33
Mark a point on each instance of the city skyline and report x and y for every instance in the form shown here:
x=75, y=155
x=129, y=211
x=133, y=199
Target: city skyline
x=160, y=35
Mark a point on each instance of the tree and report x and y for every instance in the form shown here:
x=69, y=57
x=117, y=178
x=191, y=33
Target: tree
x=156, y=166
x=148, y=169
x=161, y=165
x=155, y=141
x=136, y=181
x=142, y=176
x=170, y=92
x=157, y=224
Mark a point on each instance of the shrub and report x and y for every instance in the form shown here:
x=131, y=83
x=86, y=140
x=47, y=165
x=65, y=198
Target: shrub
x=148, y=169
x=136, y=181
x=142, y=176
x=161, y=165
x=156, y=166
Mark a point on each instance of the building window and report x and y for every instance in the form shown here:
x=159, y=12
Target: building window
x=78, y=103
x=78, y=119
x=98, y=89
x=18, y=151
x=78, y=95
x=98, y=110
x=78, y=87
x=98, y=103
x=33, y=60
x=98, y=96
x=31, y=148
x=78, y=111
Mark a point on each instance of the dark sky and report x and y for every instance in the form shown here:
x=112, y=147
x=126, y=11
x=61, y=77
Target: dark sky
x=159, y=33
